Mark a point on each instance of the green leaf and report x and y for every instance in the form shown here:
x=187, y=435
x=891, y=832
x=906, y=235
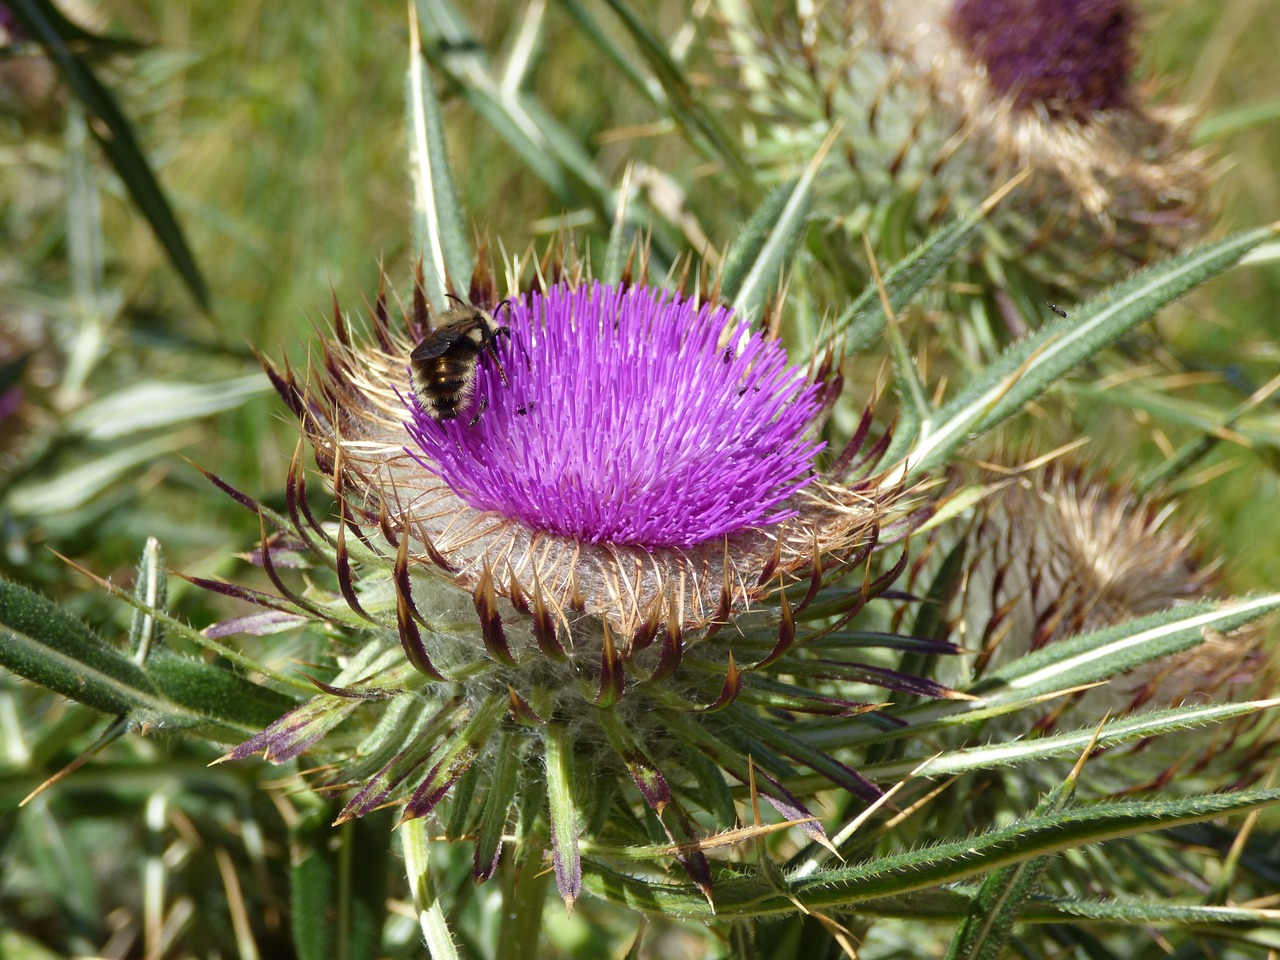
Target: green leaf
x=520, y=927
x=80, y=484
x=431, y=919
x=497, y=805
x=764, y=250
x=989, y=923
x=616, y=252
x=985, y=931
x=217, y=695
x=540, y=140
x=952, y=903
x=563, y=812
x=439, y=227
x=915, y=400
x=743, y=263
x=178, y=628
x=536, y=137
x=1106, y=653
x=1129, y=729
x=41, y=20
x=155, y=403
x=865, y=318
x=150, y=590
x=1058, y=666
x=42, y=642
x=1032, y=364
x=927, y=867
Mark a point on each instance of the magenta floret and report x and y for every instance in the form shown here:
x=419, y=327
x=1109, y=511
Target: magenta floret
x=626, y=418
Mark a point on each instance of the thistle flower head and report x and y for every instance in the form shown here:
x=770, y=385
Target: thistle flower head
x=1049, y=85
x=557, y=563
x=1073, y=58
x=1062, y=552
x=629, y=454
x=940, y=103
x=630, y=418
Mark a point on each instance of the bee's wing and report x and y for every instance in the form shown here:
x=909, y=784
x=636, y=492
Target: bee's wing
x=435, y=344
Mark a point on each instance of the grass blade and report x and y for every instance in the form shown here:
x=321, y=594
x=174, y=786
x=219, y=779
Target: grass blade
x=439, y=228
x=680, y=99
x=43, y=22
x=1029, y=366
x=768, y=242
x=540, y=140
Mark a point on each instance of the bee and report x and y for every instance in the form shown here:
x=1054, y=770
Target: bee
x=443, y=366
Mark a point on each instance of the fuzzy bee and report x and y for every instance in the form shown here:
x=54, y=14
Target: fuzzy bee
x=443, y=366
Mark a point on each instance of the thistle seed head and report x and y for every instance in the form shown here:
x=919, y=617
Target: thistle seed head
x=1063, y=552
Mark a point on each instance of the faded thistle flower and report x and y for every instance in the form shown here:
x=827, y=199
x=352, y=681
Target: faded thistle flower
x=1060, y=552
x=1050, y=86
x=939, y=104
x=598, y=560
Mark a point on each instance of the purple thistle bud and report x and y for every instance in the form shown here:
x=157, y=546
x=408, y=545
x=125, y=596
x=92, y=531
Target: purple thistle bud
x=627, y=418
x=1069, y=57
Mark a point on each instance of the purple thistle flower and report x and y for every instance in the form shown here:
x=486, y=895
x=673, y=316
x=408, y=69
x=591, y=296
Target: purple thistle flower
x=632, y=472
x=1070, y=57
x=646, y=460
x=627, y=418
